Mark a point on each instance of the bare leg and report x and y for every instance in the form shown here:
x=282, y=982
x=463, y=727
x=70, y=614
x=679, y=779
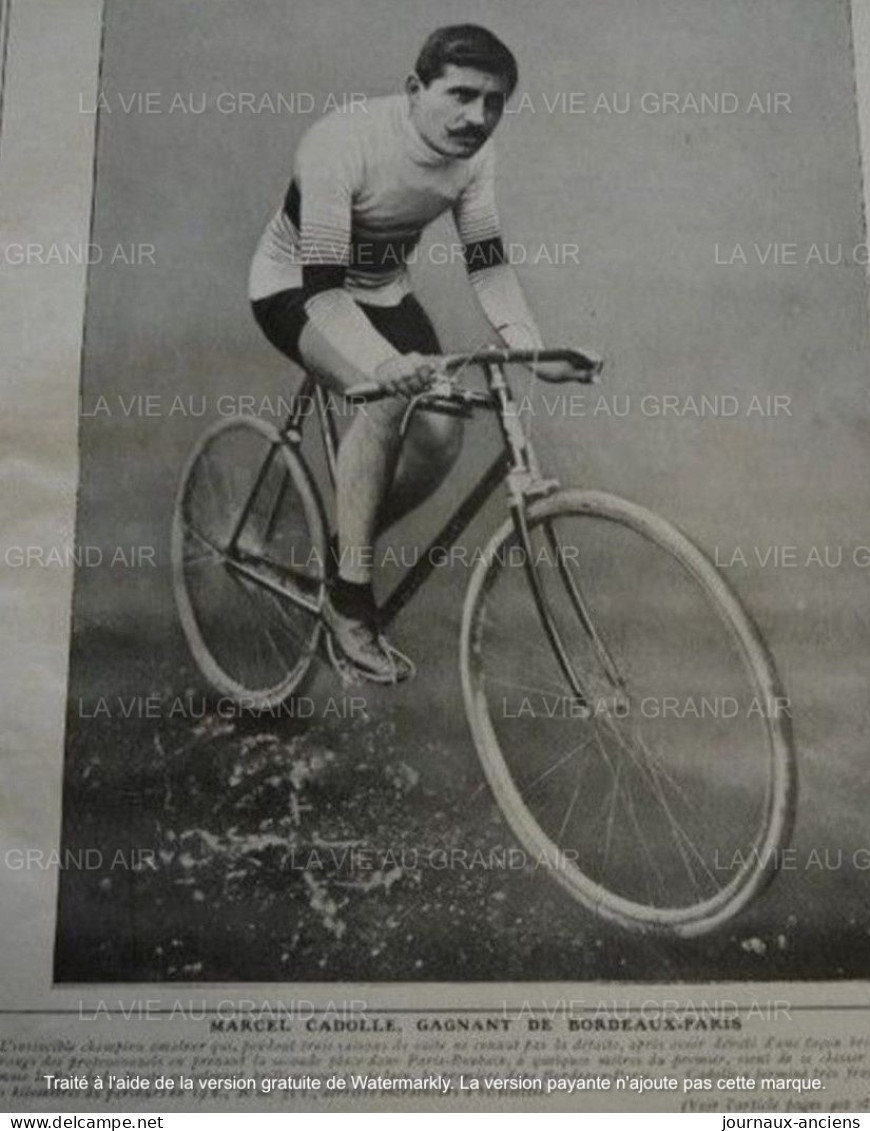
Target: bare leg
x=367, y=458
x=380, y=477
x=430, y=449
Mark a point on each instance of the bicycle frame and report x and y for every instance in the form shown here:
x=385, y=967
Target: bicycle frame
x=516, y=465
x=259, y=554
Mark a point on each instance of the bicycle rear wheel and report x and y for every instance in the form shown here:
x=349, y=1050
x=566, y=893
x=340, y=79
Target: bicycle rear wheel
x=248, y=561
x=661, y=790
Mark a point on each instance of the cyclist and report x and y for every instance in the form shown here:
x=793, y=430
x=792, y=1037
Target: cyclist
x=329, y=287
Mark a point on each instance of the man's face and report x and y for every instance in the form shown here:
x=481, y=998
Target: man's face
x=457, y=112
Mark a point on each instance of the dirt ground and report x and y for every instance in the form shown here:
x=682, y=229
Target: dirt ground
x=366, y=847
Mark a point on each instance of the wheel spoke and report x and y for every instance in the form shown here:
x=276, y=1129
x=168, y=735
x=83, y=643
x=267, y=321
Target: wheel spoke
x=647, y=766
x=545, y=692
x=557, y=764
x=569, y=811
x=611, y=813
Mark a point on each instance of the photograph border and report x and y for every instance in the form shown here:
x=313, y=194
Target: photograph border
x=40, y=431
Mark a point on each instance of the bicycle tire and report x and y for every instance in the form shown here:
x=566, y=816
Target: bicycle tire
x=779, y=806
x=271, y=691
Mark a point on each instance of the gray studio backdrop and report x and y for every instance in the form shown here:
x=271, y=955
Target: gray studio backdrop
x=656, y=202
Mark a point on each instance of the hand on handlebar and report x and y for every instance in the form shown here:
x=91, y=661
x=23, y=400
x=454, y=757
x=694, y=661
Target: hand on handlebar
x=407, y=375
x=554, y=370
x=565, y=370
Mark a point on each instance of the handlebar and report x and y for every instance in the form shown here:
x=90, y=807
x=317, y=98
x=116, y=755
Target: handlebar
x=586, y=367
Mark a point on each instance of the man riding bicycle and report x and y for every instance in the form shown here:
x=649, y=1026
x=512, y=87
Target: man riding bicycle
x=329, y=287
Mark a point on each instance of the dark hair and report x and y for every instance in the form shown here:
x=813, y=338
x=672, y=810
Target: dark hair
x=466, y=45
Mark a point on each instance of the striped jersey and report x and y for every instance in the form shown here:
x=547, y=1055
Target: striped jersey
x=365, y=185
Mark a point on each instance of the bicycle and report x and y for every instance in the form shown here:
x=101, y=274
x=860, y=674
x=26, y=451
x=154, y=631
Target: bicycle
x=580, y=611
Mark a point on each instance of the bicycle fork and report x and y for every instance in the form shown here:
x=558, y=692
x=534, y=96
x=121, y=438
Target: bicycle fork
x=524, y=484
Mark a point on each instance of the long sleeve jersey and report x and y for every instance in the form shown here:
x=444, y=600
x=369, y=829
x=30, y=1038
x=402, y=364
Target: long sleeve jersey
x=364, y=187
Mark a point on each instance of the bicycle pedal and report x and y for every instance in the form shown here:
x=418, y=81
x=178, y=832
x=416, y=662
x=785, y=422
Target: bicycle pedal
x=351, y=675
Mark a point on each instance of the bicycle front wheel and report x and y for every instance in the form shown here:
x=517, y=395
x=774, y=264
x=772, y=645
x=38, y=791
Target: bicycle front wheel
x=650, y=766
x=249, y=562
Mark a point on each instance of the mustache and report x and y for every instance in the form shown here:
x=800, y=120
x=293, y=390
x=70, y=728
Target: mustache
x=469, y=134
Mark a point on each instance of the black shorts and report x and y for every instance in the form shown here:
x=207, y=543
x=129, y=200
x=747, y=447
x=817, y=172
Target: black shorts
x=282, y=316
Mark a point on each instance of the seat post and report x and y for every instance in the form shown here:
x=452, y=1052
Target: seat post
x=329, y=432
x=293, y=424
